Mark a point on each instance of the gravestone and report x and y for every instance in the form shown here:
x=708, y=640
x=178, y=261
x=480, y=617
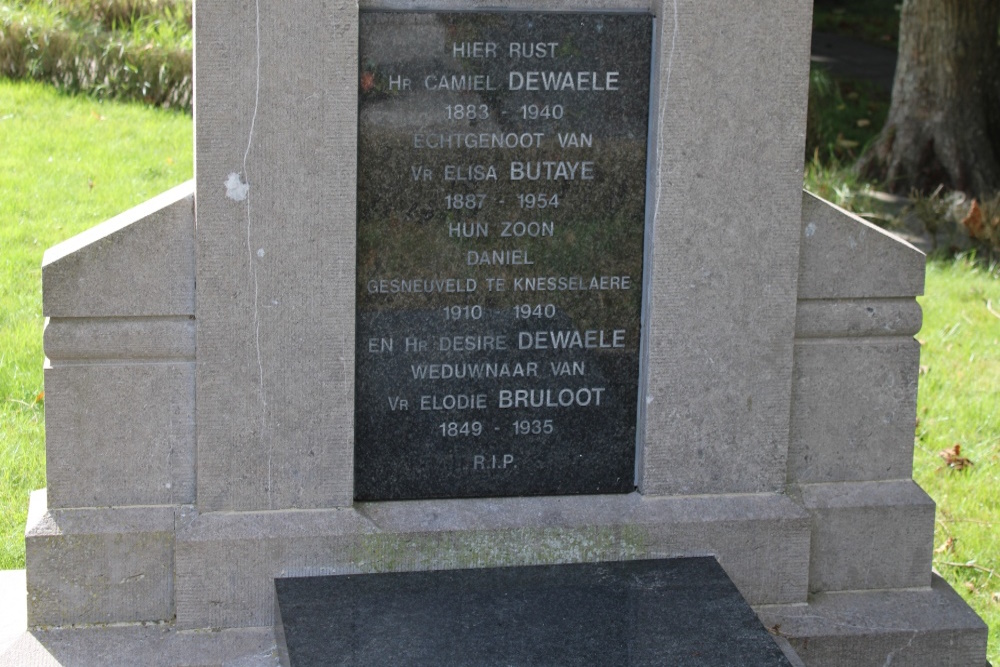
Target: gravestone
x=235, y=416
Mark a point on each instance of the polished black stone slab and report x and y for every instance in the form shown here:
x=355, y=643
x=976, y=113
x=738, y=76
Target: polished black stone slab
x=501, y=204
x=682, y=612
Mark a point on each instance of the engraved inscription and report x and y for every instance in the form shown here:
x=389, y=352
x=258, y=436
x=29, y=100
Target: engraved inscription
x=501, y=203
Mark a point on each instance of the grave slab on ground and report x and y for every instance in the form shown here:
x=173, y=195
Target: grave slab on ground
x=684, y=612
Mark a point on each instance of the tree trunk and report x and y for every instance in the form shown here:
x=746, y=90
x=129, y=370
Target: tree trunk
x=944, y=120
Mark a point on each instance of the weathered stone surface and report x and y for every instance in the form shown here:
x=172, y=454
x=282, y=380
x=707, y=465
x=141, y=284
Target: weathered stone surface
x=836, y=318
x=136, y=264
x=84, y=339
x=120, y=434
x=854, y=405
x=99, y=565
x=869, y=535
x=722, y=261
x=913, y=628
x=227, y=561
x=148, y=644
x=275, y=260
x=846, y=257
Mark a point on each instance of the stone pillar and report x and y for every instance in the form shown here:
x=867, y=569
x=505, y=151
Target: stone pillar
x=276, y=115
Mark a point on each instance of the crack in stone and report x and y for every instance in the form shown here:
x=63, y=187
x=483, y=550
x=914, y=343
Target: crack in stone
x=245, y=185
x=892, y=655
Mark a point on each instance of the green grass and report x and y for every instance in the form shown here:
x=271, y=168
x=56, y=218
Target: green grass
x=120, y=14
x=958, y=404
x=844, y=116
x=67, y=164
x=837, y=183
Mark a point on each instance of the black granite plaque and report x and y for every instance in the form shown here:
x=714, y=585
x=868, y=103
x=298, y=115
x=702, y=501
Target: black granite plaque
x=679, y=612
x=501, y=199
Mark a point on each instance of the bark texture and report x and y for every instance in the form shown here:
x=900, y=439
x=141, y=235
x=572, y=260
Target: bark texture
x=944, y=120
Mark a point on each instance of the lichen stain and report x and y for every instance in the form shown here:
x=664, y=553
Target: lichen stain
x=236, y=188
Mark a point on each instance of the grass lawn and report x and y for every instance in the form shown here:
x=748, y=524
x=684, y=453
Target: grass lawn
x=959, y=404
x=67, y=164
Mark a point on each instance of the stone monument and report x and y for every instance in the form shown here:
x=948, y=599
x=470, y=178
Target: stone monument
x=464, y=285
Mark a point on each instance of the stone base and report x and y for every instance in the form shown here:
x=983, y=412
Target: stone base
x=216, y=570
x=869, y=536
x=107, y=566
x=99, y=565
x=925, y=628
x=226, y=562
x=930, y=627
x=156, y=645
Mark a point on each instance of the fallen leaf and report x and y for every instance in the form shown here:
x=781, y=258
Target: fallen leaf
x=973, y=221
x=40, y=398
x=924, y=370
x=969, y=586
x=953, y=458
x=996, y=597
x=846, y=143
x=367, y=81
x=947, y=548
x=863, y=122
